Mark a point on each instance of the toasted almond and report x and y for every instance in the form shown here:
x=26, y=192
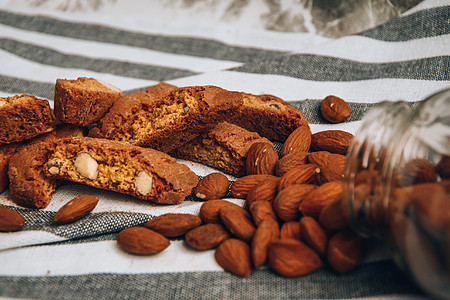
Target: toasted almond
x=241, y=187
x=313, y=203
x=290, y=161
x=333, y=215
x=10, y=220
x=298, y=175
x=298, y=140
x=417, y=170
x=142, y=240
x=290, y=230
x=287, y=202
x=313, y=234
x=173, y=225
x=327, y=160
x=334, y=141
x=233, y=255
x=212, y=186
x=266, y=233
x=237, y=221
x=324, y=175
x=210, y=210
x=261, y=159
x=264, y=191
x=345, y=251
x=261, y=210
x=335, y=109
x=207, y=236
x=75, y=209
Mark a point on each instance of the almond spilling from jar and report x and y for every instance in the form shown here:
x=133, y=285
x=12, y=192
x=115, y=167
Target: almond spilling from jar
x=345, y=251
x=212, y=186
x=75, y=209
x=261, y=159
x=173, y=225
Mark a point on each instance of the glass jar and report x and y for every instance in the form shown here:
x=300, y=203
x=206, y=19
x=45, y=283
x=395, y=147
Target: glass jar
x=398, y=186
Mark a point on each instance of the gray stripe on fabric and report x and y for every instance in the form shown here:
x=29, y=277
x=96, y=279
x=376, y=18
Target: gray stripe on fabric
x=14, y=85
x=51, y=57
x=422, y=24
x=168, y=44
x=323, y=68
x=370, y=280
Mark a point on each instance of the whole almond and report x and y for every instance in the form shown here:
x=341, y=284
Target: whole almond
x=345, y=251
x=173, y=225
x=287, y=202
x=334, y=216
x=141, y=240
x=75, y=209
x=212, y=186
x=241, y=187
x=261, y=210
x=334, y=141
x=207, y=236
x=290, y=161
x=313, y=203
x=233, y=255
x=324, y=175
x=313, y=234
x=289, y=257
x=290, y=230
x=266, y=233
x=417, y=170
x=298, y=175
x=335, y=109
x=298, y=140
x=264, y=191
x=237, y=221
x=210, y=210
x=10, y=220
x=261, y=159
x=332, y=161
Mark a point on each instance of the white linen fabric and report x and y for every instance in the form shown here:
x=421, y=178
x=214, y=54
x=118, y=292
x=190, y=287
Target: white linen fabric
x=404, y=59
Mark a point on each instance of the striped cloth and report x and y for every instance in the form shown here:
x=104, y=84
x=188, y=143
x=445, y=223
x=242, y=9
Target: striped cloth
x=406, y=58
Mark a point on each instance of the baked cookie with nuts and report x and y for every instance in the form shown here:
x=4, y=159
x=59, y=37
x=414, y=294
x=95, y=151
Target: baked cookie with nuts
x=143, y=173
x=164, y=117
x=83, y=101
x=224, y=148
x=271, y=117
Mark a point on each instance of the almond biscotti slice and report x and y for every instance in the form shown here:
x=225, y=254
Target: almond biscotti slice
x=164, y=123
x=23, y=117
x=269, y=116
x=83, y=101
x=224, y=148
x=144, y=173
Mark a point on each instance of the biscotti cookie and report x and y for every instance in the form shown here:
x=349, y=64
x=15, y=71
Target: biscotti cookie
x=83, y=101
x=28, y=185
x=269, y=116
x=224, y=148
x=6, y=152
x=144, y=173
x=168, y=122
x=24, y=117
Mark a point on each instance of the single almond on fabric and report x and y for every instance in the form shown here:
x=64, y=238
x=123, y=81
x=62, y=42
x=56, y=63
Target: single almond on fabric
x=335, y=109
x=10, y=220
x=290, y=161
x=345, y=251
x=287, y=202
x=298, y=140
x=334, y=216
x=313, y=203
x=334, y=141
x=298, y=175
x=241, y=187
x=289, y=257
x=75, y=209
x=417, y=170
x=290, y=230
x=173, y=225
x=267, y=233
x=142, y=240
x=261, y=210
x=324, y=175
x=264, y=191
x=233, y=255
x=237, y=221
x=210, y=210
x=313, y=234
x=212, y=186
x=207, y=236
x=261, y=159
x=327, y=160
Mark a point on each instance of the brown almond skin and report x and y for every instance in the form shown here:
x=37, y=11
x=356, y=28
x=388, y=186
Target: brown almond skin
x=261, y=159
x=233, y=255
x=313, y=203
x=313, y=234
x=241, y=187
x=334, y=216
x=324, y=159
x=173, y=225
x=298, y=175
x=333, y=141
x=142, y=241
x=335, y=109
x=287, y=202
x=264, y=191
x=290, y=230
x=212, y=186
x=345, y=251
x=289, y=257
x=261, y=210
x=298, y=140
x=210, y=210
x=75, y=209
x=207, y=236
x=290, y=161
x=443, y=167
x=10, y=220
x=238, y=222
x=324, y=175
x=266, y=233
x=416, y=171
